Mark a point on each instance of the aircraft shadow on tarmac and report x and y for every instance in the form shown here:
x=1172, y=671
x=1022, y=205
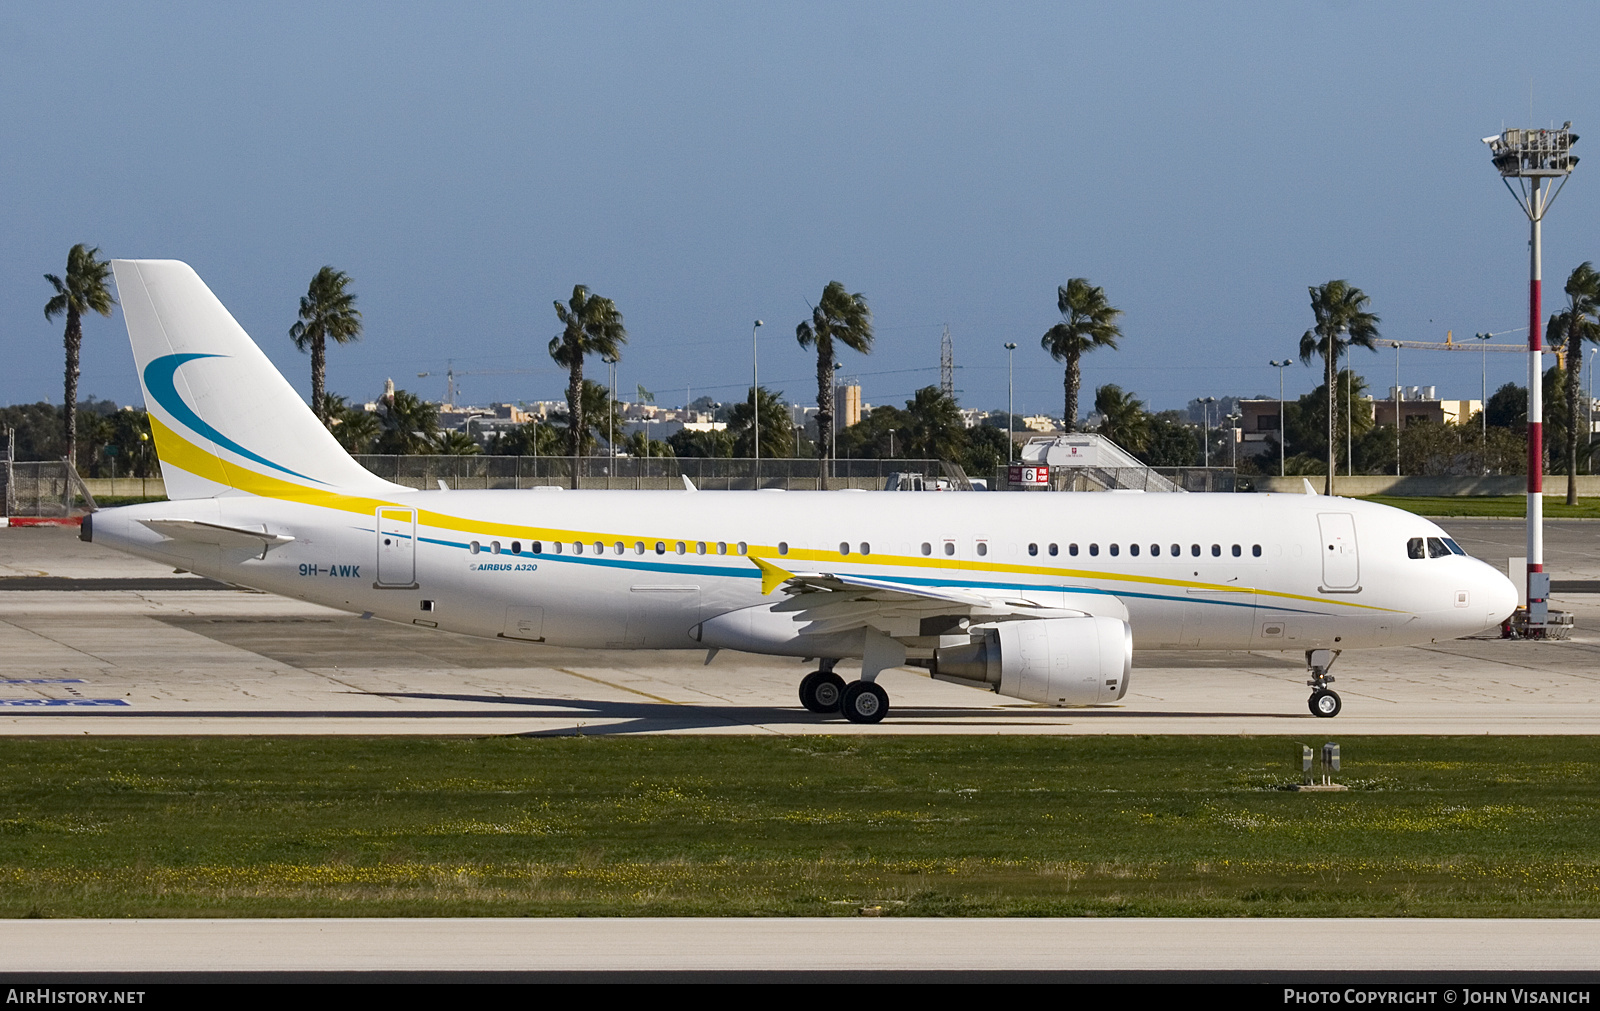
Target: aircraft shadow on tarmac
x=644, y=716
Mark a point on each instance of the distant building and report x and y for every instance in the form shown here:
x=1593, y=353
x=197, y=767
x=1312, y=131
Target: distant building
x=847, y=404
x=1420, y=404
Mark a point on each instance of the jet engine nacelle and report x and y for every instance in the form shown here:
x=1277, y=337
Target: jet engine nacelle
x=1058, y=661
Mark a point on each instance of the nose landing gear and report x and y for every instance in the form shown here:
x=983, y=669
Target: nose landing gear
x=1324, y=701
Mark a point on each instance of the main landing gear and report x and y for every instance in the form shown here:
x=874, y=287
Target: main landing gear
x=823, y=691
x=1324, y=701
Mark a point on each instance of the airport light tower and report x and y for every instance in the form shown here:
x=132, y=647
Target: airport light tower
x=1537, y=159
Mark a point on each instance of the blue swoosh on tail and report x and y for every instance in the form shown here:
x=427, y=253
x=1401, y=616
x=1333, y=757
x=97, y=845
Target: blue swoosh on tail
x=158, y=379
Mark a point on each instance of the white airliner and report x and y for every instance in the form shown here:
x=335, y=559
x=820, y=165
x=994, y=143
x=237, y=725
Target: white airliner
x=1036, y=596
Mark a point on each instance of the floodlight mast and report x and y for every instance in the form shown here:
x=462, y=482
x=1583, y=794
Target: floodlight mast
x=1536, y=159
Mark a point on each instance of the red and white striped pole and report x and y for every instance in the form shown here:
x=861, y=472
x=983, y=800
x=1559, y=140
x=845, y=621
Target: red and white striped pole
x=1535, y=399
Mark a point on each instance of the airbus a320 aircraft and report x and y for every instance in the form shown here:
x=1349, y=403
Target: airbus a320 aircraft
x=1036, y=596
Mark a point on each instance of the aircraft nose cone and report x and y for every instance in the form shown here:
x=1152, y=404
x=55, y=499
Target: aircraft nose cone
x=1502, y=596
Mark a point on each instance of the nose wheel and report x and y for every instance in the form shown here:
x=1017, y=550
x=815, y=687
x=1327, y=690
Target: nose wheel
x=1324, y=701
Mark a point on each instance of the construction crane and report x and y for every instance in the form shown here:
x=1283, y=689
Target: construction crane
x=450, y=375
x=1449, y=344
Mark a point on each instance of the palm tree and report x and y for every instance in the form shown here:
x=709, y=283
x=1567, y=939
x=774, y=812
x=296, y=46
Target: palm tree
x=590, y=325
x=1087, y=322
x=1340, y=311
x=777, y=430
x=408, y=424
x=327, y=311
x=455, y=443
x=843, y=317
x=1123, y=420
x=593, y=406
x=83, y=291
x=353, y=428
x=1577, y=324
x=933, y=429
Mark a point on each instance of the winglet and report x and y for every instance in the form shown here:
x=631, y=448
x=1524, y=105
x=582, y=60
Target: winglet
x=688, y=485
x=772, y=577
x=1307, y=482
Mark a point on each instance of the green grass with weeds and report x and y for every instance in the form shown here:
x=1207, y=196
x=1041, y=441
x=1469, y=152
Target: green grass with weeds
x=1511, y=506
x=960, y=826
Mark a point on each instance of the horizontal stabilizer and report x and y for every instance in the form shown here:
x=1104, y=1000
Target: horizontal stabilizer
x=218, y=534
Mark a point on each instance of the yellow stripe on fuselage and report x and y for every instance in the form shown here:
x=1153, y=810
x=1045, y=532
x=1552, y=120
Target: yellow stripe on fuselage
x=179, y=452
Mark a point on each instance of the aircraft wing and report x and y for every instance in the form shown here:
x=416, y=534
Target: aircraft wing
x=217, y=533
x=832, y=602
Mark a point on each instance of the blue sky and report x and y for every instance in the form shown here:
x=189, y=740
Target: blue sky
x=708, y=164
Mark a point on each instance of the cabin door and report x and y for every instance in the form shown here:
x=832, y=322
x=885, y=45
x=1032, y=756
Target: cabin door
x=1341, y=567
x=397, y=547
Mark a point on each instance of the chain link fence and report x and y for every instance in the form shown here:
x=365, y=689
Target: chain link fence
x=46, y=489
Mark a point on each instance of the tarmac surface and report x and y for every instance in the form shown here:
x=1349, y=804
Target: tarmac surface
x=1303, y=948
x=92, y=641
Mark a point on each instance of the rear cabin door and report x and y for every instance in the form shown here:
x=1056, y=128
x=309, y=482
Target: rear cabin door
x=397, y=547
x=1341, y=567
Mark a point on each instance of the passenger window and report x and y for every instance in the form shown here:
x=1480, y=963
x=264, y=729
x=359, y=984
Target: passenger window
x=494, y=547
x=983, y=549
x=474, y=547
x=722, y=547
x=1055, y=551
x=599, y=547
x=1194, y=549
x=743, y=547
x=927, y=548
x=1236, y=551
x=1177, y=549
x=620, y=547
x=1094, y=550
x=538, y=547
x=866, y=549
x=1133, y=549
x=516, y=547
x=681, y=547
x=661, y=547
x=1155, y=551
x=699, y=547
x=1033, y=549
x=1216, y=551
x=844, y=549
x=1414, y=548
x=638, y=547
x=1255, y=550
x=783, y=547
x=949, y=547
x=557, y=546
x=1115, y=551
x=1072, y=549
x=1436, y=548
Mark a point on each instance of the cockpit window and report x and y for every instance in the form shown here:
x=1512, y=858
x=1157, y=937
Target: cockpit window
x=1455, y=548
x=1436, y=548
x=1414, y=548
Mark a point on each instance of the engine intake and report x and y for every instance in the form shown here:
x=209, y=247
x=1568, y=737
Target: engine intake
x=1057, y=661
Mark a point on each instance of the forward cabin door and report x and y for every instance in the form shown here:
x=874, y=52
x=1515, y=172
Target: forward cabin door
x=397, y=547
x=1341, y=566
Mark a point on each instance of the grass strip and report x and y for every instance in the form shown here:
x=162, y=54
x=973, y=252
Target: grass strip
x=1151, y=826
x=1511, y=506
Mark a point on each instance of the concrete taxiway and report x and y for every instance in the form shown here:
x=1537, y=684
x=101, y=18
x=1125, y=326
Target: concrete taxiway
x=1302, y=948
x=96, y=642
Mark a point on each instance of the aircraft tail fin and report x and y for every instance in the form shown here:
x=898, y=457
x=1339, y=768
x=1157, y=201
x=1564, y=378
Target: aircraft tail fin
x=225, y=420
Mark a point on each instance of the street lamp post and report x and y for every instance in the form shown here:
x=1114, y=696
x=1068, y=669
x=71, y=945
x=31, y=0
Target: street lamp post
x=1233, y=443
x=1483, y=411
x=1536, y=159
x=1205, y=430
x=1011, y=405
x=1396, y=346
x=1280, y=366
x=755, y=400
